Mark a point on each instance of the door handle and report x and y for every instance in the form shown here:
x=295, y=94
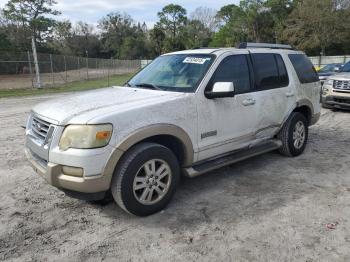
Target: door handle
x=289, y=94
x=248, y=102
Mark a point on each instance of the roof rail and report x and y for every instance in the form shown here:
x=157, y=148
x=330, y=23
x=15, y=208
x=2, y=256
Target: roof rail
x=264, y=45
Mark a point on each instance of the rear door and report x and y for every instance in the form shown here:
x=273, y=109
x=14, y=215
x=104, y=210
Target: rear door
x=273, y=94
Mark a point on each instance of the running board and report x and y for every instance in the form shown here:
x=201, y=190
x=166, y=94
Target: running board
x=231, y=158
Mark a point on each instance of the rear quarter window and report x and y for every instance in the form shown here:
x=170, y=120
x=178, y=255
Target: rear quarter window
x=304, y=68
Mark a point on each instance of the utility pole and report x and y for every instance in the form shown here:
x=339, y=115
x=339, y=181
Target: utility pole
x=36, y=64
x=87, y=64
x=30, y=68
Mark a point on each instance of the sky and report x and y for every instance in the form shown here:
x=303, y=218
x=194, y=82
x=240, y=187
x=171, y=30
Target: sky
x=141, y=10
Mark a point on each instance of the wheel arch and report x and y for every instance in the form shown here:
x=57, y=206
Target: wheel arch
x=171, y=136
x=306, y=108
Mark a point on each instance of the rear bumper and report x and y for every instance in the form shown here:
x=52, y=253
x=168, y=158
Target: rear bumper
x=52, y=173
x=336, y=101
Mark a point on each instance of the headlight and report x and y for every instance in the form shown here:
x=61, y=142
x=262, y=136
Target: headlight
x=85, y=136
x=325, y=90
x=330, y=82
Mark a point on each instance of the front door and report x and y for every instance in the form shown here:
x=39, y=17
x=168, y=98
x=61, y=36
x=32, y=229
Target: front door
x=226, y=124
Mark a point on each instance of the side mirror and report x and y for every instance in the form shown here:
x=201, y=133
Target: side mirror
x=337, y=69
x=220, y=90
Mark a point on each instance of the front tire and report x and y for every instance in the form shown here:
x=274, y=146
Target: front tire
x=294, y=135
x=146, y=179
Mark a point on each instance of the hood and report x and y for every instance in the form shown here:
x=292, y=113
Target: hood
x=326, y=74
x=61, y=110
x=341, y=76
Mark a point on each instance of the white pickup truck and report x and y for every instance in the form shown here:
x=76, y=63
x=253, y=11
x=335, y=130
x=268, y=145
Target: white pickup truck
x=186, y=113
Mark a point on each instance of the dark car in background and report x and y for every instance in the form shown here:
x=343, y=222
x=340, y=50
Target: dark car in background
x=328, y=71
x=345, y=68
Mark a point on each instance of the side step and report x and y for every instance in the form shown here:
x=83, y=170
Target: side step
x=232, y=158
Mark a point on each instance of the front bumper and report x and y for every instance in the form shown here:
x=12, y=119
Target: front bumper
x=52, y=173
x=342, y=102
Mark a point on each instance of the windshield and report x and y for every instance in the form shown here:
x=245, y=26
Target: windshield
x=346, y=67
x=330, y=68
x=179, y=73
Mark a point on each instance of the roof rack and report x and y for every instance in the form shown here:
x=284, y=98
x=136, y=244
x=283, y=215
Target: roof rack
x=264, y=45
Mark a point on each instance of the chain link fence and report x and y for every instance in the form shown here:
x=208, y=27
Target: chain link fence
x=17, y=70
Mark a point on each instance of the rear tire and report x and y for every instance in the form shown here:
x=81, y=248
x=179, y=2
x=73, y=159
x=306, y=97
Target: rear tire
x=294, y=135
x=146, y=179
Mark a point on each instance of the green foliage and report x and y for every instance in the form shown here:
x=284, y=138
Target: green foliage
x=173, y=19
x=122, y=38
x=319, y=25
x=32, y=14
x=157, y=36
x=310, y=25
x=196, y=35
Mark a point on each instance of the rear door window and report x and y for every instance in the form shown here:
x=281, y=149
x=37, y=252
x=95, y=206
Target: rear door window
x=304, y=68
x=270, y=71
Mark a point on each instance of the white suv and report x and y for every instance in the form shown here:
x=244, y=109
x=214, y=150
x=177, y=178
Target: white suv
x=186, y=113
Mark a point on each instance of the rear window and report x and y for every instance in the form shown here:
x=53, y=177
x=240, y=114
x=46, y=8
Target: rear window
x=304, y=68
x=270, y=71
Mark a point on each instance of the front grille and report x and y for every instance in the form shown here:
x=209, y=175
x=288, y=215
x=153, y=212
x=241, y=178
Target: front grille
x=38, y=159
x=341, y=85
x=40, y=128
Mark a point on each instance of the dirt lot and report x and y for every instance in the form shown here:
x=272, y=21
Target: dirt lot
x=269, y=208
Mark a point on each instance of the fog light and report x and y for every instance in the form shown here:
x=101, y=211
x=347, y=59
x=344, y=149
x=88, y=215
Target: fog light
x=73, y=171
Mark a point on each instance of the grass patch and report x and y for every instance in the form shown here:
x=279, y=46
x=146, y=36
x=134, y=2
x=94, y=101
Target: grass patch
x=69, y=87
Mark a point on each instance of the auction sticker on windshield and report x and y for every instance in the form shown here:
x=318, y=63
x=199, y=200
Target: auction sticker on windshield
x=195, y=60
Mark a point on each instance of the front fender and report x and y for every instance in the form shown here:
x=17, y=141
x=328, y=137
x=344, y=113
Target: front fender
x=148, y=132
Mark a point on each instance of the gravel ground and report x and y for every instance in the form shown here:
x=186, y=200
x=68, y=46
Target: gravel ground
x=269, y=208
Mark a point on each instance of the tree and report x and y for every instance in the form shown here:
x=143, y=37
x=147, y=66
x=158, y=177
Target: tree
x=280, y=10
x=83, y=41
x=157, y=37
x=196, y=35
x=122, y=38
x=62, y=32
x=172, y=19
x=32, y=14
x=136, y=45
x=252, y=20
x=115, y=28
x=79, y=39
x=207, y=16
x=316, y=24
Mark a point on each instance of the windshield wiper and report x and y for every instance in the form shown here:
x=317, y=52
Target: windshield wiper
x=149, y=86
